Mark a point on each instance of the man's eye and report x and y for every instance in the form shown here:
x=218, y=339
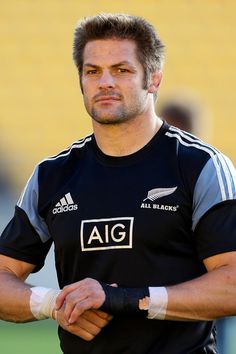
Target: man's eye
x=91, y=72
x=122, y=70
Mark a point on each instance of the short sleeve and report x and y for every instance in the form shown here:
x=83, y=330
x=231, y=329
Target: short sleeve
x=19, y=240
x=216, y=183
x=216, y=231
x=26, y=237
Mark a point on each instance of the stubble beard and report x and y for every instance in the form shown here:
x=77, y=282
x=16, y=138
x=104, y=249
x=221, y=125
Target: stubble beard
x=114, y=118
x=117, y=116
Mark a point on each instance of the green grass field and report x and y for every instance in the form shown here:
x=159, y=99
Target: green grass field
x=29, y=338
x=41, y=337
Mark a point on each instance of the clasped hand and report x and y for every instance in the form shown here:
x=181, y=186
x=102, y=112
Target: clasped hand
x=76, y=308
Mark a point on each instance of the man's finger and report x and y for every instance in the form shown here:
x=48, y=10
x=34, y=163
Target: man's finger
x=88, y=326
x=79, y=309
x=103, y=315
x=80, y=332
x=99, y=319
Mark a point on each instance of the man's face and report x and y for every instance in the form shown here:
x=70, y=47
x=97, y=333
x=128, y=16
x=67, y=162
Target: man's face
x=112, y=81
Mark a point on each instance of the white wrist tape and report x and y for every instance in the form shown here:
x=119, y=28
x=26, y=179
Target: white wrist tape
x=42, y=302
x=158, y=303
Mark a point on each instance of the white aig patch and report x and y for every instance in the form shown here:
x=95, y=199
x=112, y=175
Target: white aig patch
x=103, y=234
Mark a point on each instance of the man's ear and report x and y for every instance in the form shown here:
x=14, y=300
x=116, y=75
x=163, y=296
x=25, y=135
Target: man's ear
x=155, y=82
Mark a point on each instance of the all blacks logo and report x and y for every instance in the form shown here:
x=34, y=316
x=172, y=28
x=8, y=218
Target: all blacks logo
x=103, y=234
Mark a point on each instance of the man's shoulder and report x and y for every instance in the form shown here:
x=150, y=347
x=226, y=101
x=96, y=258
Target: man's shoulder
x=190, y=147
x=192, y=155
x=75, y=149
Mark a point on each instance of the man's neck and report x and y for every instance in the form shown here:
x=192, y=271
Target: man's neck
x=128, y=137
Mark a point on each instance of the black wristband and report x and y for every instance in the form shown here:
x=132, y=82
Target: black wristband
x=124, y=300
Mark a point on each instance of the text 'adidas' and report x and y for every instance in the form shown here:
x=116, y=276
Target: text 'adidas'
x=65, y=204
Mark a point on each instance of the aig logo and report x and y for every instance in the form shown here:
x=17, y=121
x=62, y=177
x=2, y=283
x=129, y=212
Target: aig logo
x=103, y=234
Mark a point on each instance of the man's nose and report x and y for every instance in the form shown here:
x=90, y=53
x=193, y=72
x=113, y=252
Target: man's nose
x=106, y=80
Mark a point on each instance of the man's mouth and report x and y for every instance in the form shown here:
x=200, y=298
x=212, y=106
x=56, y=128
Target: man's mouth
x=107, y=98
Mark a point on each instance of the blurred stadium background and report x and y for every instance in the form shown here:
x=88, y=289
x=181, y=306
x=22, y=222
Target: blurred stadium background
x=41, y=110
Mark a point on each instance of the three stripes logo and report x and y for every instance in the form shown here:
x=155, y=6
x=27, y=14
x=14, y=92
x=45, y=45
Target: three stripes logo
x=65, y=204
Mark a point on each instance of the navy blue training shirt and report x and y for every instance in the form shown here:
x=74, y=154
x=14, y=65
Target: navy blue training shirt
x=146, y=219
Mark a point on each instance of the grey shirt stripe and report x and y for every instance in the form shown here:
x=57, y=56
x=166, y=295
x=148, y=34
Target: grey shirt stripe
x=29, y=203
x=207, y=192
x=217, y=180
x=29, y=198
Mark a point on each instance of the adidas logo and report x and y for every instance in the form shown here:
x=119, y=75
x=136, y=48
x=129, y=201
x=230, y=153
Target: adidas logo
x=65, y=204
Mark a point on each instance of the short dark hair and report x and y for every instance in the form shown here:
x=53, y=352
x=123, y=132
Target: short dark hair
x=150, y=49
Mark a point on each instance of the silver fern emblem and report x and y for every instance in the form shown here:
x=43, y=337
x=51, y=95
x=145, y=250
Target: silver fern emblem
x=156, y=193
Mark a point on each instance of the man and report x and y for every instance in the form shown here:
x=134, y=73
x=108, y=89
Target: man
x=142, y=215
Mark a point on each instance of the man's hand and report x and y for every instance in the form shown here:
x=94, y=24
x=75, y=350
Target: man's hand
x=78, y=297
x=87, y=326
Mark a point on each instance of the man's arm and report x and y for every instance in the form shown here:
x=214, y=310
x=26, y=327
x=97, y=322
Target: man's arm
x=207, y=297
x=20, y=302
x=14, y=293
x=15, y=301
